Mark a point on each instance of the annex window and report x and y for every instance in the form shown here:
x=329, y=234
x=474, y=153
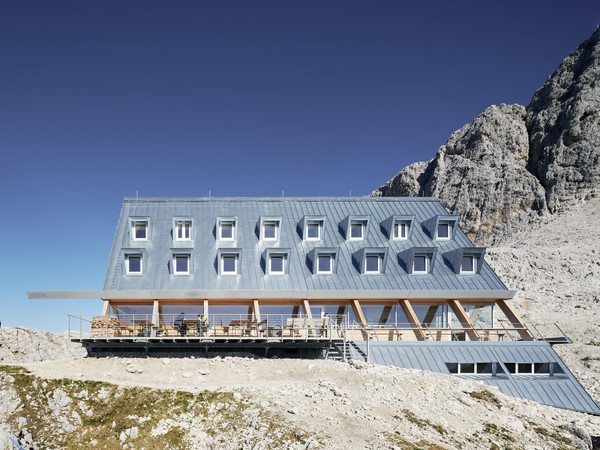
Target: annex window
x=181, y=264
x=421, y=264
x=313, y=230
x=139, y=230
x=401, y=229
x=229, y=264
x=325, y=263
x=183, y=230
x=468, y=264
x=357, y=229
x=277, y=264
x=479, y=368
x=133, y=264
x=226, y=230
x=444, y=230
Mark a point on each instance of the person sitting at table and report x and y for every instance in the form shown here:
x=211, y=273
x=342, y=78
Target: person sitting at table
x=180, y=324
x=204, y=323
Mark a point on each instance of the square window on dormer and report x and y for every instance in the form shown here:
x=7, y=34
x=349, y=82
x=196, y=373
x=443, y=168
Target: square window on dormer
x=226, y=230
x=276, y=264
x=181, y=264
x=325, y=263
x=444, y=230
x=373, y=264
x=468, y=264
x=401, y=230
x=270, y=230
x=229, y=264
x=421, y=264
x=313, y=230
x=357, y=229
x=133, y=264
x=139, y=230
x=183, y=230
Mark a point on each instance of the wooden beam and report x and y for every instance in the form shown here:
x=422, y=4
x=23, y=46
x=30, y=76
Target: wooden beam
x=308, y=315
x=385, y=314
x=295, y=310
x=358, y=313
x=106, y=308
x=515, y=320
x=256, y=310
x=340, y=314
x=410, y=314
x=205, y=308
x=464, y=319
x=430, y=315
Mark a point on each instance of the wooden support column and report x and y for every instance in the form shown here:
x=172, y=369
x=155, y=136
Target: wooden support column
x=385, y=314
x=106, y=308
x=308, y=316
x=360, y=317
x=430, y=315
x=340, y=314
x=410, y=314
x=515, y=320
x=205, y=308
x=155, y=317
x=250, y=311
x=295, y=311
x=464, y=319
x=256, y=310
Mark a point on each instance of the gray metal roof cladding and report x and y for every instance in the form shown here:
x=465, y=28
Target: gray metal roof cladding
x=562, y=391
x=158, y=250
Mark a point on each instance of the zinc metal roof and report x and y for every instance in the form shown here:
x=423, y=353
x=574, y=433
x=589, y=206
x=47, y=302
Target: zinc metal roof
x=204, y=246
x=562, y=391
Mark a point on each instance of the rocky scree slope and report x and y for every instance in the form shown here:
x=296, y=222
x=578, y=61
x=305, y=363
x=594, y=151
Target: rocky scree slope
x=514, y=165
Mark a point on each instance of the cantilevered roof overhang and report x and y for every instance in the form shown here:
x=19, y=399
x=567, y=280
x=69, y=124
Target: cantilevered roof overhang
x=279, y=295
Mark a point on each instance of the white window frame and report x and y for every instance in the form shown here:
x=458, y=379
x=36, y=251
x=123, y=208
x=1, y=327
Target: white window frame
x=270, y=223
x=180, y=255
x=427, y=265
x=220, y=230
x=379, y=264
x=450, y=229
x=283, y=264
x=180, y=224
x=319, y=225
x=362, y=230
x=135, y=255
x=397, y=227
x=331, y=262
x=236, y=263
x=475, y=262
x=134, y=225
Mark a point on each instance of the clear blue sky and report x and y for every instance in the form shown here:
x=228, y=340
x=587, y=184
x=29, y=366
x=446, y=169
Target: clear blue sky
x=101, y=99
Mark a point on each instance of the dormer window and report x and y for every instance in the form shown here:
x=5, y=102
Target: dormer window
x=444, y=230
x=325, y=263
x=139, y=230
x=277, y=264
x=133, y=264
x=181, y=264
x=468, y=264
x=270, y=229
x=421, y=264
x=373, y=264
x=401, y=230
x=226, y=229
x=183, y=230
x=357, y=229
x=229, y=264
x=313, y=230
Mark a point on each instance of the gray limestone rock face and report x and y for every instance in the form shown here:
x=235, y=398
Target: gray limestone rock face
x=563, y=120
x=480, y=174
x=512, y=166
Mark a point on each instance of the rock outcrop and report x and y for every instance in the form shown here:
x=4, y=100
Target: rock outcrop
x=20, y=345
x=514, y=165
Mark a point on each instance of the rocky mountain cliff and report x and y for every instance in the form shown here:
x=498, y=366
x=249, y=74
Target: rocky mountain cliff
x=514, y=165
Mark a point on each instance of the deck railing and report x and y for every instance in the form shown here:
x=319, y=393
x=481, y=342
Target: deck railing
x=275, y=327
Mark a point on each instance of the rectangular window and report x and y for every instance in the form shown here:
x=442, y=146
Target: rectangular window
x=226, y=230
x=313, y=230
x=270, y=230
x=421, y=264
x=229, y=264
x=372, y=264
x=134, y=264
x=443, y=230
x=182, y=230
x=356, y=229
x=468, y=264
x=276, y=264
x=400, y=230
x=325, y=264
x=140, y=231
x=181, y=264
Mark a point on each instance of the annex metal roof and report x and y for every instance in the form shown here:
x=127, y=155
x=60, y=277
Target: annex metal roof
x=561, y=390
x=204, y=246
